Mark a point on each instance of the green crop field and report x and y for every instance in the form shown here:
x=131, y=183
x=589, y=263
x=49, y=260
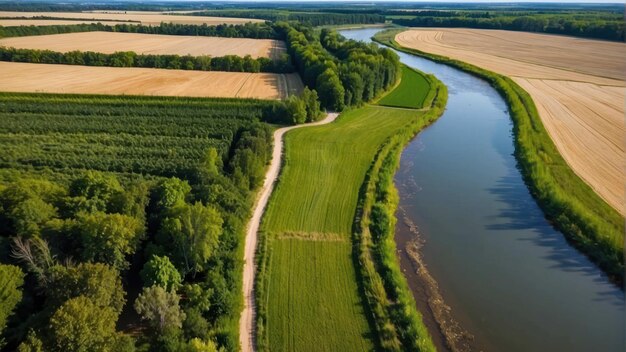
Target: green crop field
x=412, y=92
x=311, y=298
x=146, y=135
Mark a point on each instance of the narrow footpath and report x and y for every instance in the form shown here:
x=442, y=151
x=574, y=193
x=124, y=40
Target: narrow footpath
x=247, y=320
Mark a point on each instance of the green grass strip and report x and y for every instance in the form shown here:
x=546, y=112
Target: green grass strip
x=412, y=92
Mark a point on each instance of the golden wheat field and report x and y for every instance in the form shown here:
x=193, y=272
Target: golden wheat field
x=145, y=18
x=577, y=84
x=44, y=78
x=107, y=42
x=38, y=22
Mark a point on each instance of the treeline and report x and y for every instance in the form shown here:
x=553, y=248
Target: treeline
x=397, y=321
x=229, y=63
x=356, y=73
x=247, y=30
x=566, y=24
x=70, y=251
x=312, y=19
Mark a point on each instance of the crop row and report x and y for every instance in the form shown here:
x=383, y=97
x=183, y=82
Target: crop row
x=119, y=134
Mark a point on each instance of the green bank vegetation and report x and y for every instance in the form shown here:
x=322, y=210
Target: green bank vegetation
x=319, y=270
x=586, y=220
x=126, y=214
x=398, y=323
x=413, y=91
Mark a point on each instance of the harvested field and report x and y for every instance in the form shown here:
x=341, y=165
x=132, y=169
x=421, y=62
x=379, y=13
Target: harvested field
x=577, y=84
x=107, y=42
x=36, y=22
x=21, y=77
x=144, y=18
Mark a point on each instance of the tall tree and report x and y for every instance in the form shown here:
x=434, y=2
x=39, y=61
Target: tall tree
x=11, y=281
x=195, y=231
x=160, y=308
x=80, y=325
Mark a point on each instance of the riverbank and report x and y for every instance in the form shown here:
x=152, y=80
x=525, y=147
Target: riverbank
x=399, y=325
x=586, y=220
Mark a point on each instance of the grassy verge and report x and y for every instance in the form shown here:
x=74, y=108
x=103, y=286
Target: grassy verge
x=413, y=92
x=587, y=221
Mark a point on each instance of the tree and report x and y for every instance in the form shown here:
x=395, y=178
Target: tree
x=11, y=281
x=199, y=345
x=160, y=308
x=99, y=282
x=296, y=108
x=195, y=231
x=311, y=100
x=80, y=325
x=171, y=192
x=29, y=215
x=211, y=163
x=330, y=90
x=161, y=272
x=36, y=255
x=109, y=238
x=96, y=189
x=32, y=343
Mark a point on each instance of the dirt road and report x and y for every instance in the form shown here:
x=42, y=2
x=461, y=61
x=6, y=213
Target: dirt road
x=247, y=321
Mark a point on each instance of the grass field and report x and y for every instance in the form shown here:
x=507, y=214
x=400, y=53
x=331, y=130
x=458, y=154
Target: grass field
x=311, y=294
x=110, y=42
x=313, y=300
x=412, y=92
x=46, y=78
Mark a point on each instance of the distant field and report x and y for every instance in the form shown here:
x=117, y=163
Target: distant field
x=312, y=295
x=577, y=84
x=107, y=42
x=145, y=18
x=35, y=22
x=410, y=93
x=147, y=135
x=21, y=77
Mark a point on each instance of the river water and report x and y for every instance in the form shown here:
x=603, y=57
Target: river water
x=511, y=280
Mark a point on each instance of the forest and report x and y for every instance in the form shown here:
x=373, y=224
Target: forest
x=343, y=72
x=228, y=63
x=111, y=208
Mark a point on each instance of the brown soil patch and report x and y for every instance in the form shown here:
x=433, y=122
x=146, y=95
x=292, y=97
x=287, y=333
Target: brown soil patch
x=145, y=18
x=577, y=84
x=106, y=42
x=22, y=77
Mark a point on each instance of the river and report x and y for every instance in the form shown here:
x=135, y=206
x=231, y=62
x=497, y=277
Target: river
x=510, y=279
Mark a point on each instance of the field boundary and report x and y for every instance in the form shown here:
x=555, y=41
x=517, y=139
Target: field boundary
x=570, y=204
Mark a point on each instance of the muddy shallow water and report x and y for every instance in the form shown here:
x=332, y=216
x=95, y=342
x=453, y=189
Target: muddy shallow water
x=507, y=277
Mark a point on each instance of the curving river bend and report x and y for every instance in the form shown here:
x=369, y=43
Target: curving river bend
x=511, y=280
